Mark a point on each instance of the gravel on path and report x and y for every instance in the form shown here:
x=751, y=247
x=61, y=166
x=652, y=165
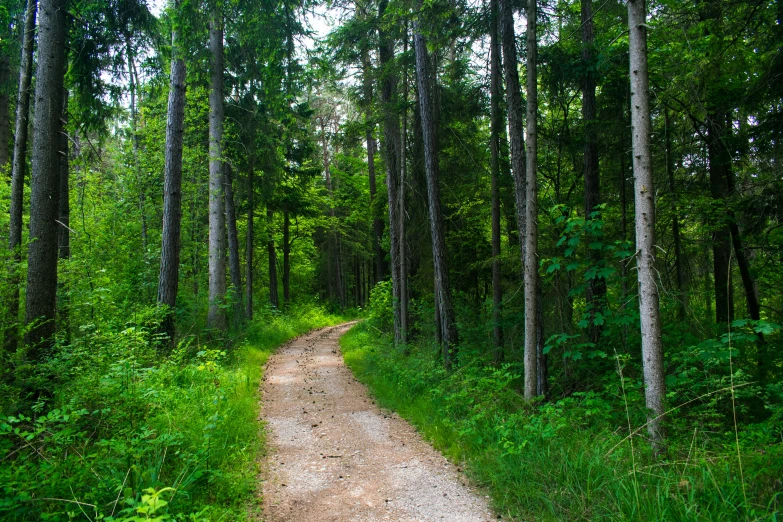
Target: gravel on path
x=334, y=455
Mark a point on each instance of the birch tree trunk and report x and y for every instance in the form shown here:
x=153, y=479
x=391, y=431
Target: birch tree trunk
x=216, y=317
x=644, y=194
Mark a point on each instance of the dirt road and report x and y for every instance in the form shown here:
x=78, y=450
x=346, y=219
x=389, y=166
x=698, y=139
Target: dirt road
x=336, y=456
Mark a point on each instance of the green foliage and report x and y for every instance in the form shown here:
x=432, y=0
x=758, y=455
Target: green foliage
x=573, y=458
x=129, y=436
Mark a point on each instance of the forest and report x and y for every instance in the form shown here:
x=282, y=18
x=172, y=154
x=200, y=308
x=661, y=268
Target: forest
x=557, y=221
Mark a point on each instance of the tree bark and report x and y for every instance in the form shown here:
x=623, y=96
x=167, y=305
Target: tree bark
x=377, y=224
x=403, y=255
x=41, y=295
x=249, y=273
x=678, y=268
x=496, y=124
x=233, y=245
x=18, y=174
x=644, y=194
x=439, y=255
x=216, y=317
x=514, y=109
x=596, y=287
x=286, y=258
x=391, y=150
x=168, y=279
x=5, y=113
x=64, y=220
x=274, y=297
x=531, y=216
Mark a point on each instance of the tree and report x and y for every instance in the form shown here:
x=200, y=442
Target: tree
x=41, y=296
x=448, y=328
x=531, y=217
x=216, y=317
x=494, y=143
x=596, y=286
x=391, y=147
x=644, y=198
x=514, y=108
x=168, y=280
x=18, y=170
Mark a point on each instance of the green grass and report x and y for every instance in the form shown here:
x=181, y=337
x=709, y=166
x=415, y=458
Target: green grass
x=127, y=432
x=568, y=460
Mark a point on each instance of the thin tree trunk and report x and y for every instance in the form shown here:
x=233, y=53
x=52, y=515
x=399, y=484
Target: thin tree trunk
x=18, y=174
x=41, y=295
x=514, y=109
x=133, y=80
x=63, y=225
x=439, y=255
x=249, y=273
x=216, y=318
x=596, y=287
x=168, y=280
x=678, y=269
x=531, y=217
x=233, y=244
x=286, y=258
x=5, y=113
x=391, y=150
x=377, y=224
x=403, y=255
x=494, y=146
x=644, y=197
x=274, y=298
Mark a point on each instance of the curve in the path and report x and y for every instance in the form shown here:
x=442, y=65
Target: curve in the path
x=336, y=456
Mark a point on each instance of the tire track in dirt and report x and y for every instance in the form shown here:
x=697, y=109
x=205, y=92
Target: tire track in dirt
x=336, y=456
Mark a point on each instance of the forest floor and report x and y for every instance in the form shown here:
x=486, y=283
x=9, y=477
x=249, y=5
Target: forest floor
x=334, y=455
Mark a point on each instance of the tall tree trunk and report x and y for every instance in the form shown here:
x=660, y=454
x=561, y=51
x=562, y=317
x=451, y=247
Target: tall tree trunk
x=678, y=269
x=377, y=224
x=168, y=280
x=401, y=214
x=133, y=87
x=41, y=296
x=496, y=124
x=644, y=198
x=439, y=255
x=531, y=217
x=274, y=298
x=249, y=273
x=391, y=149
x=18, y=174
x=5, y=113
x=216, y=318
x=64, y=220
x=286, y=258
x=233, y=244
x=514, y=109
x=596, y=287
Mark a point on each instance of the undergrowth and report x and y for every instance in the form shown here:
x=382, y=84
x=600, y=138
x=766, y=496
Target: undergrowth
x=128, y=435
x=571, y=459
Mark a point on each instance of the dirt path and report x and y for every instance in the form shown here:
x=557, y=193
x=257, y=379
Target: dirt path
x=336, y=456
